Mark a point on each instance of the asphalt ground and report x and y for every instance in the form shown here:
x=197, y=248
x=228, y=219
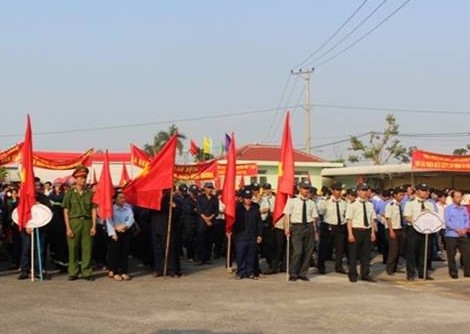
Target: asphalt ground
x=208, y=299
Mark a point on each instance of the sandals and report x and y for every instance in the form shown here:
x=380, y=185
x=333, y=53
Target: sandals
x=110, y=274
x=118, y=277
x=125, y=277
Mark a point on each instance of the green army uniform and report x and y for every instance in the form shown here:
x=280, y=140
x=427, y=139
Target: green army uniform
x=80, y=207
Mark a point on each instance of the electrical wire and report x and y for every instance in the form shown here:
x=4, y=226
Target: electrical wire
x=363, y=36
x=332, y=36
x=349, y=33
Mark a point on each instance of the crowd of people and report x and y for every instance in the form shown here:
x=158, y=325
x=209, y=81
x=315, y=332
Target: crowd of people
x=330, y=224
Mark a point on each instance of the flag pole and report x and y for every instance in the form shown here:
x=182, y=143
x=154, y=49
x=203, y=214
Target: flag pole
x=288, y=257
x=168, y=234
x=32, y=255
x=38, y=243
x=229, y=252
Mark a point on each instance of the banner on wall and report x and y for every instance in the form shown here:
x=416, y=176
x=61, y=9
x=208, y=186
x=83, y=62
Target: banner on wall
x=10, y=155
x=434, y=161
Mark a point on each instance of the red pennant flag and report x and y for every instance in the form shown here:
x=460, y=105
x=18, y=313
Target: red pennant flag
x=27, y=191
x=146, y=190
x=193, y=148
x=139, y=157
x=285, y=181
x=241, y=185
x=228, y=192
x=124, y=176
x=103, y=196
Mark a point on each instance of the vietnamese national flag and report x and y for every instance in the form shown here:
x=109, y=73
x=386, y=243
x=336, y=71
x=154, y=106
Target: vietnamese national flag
x=146, y=189
x=285, y=181
x=27, y=192
x=124, y=176
x=193, y=148
x=103, y=196
x=228, y=190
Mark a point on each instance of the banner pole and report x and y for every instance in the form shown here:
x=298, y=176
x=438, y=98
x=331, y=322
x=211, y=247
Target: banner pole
x=229, y=253
x=168, y=235
x=426, y=240
x=32, y=255
x=38, y=244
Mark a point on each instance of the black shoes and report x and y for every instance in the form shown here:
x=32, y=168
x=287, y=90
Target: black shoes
x=455, y=276
x=293, y=278
x=369, y=279
x=304, y=278
x=353, y=279
x=73, y=278
x=23, y=276
x=340, y=271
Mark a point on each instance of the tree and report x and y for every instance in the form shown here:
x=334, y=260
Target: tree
x=201, y=156
x=160, y=139
x=382, y=147
x=461, y=151
x=3, y=173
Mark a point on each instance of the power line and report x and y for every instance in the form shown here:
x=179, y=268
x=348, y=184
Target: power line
x=396, y=110
x=124, y=126
x=350, y=33
x=274, y=118
x=365, y=35
x=278, y=122
x=242, y=113
x=332, y=36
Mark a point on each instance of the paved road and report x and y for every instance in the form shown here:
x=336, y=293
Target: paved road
x=212, y=301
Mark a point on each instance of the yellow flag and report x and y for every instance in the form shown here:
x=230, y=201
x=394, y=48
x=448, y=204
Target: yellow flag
x=207, y=145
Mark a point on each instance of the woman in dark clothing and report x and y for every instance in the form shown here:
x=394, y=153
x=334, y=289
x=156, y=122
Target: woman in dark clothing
x=56, y=229
x=247, y=231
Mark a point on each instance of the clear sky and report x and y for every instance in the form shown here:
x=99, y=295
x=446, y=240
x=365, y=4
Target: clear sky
x=92, y=64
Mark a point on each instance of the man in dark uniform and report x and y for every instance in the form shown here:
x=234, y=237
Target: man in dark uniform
x=208, y=209
x=80, y=221
x=190, y=221
x=159, y=224
x=56, y=229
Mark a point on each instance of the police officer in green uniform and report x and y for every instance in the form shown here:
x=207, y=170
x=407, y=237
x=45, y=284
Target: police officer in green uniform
x=80, y=223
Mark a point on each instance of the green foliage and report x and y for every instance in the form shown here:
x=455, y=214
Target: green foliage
x=381, y=147
x=3, y=173
x=160, y=139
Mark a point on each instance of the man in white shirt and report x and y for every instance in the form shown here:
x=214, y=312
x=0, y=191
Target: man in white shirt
x=360, y=217
x=300, y=219
x=395, y=235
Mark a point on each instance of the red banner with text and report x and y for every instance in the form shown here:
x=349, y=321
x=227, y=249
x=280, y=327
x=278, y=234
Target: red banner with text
x=442, y=162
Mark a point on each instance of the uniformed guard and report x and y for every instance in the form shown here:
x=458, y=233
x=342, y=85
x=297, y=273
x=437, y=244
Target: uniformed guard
x=300, y=218
x=246, y=235
x=208, y=209
x=415, y=241
x=190, y=221
x=332, y=229
x=80, y=221
x=396, y=239
x=360, y=216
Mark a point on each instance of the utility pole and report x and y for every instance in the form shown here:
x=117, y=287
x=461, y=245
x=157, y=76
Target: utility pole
x=307, y=106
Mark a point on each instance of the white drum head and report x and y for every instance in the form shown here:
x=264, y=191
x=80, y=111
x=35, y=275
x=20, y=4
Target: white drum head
x=41, y=215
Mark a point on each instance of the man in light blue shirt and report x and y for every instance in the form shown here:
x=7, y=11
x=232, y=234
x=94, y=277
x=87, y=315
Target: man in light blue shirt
x=457, y=226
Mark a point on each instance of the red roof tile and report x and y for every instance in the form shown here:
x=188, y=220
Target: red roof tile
x=256, y=152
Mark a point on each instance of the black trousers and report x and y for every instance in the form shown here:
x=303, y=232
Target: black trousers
x=302, y=239
x=100, y=242
x=57, y=237
x=190, y=237
x=204, y=242
x=382, y=241
x=118, y=252
x=331, y=236
x=415, y=243
x=247, y=256
x=218, y=237
x=360, y=249
x=395, y=248
x=463, y=245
